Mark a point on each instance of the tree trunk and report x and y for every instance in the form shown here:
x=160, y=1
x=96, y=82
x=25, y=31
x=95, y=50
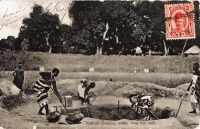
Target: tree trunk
x=50, y=49
x=184, y=47
x=165, y=47
x=100, y=50
x=47, y=40
x=97, y=51
x=149, y=52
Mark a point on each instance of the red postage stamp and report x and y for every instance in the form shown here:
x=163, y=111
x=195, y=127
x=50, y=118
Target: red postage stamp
x=179, y=21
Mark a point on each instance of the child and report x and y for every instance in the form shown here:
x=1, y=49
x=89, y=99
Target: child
x=192, y=88
x=18, y=75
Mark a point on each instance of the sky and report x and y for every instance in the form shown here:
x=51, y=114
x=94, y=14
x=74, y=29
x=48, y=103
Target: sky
x=12, y=13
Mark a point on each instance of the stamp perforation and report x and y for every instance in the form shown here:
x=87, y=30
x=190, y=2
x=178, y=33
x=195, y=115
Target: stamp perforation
x=180, y=21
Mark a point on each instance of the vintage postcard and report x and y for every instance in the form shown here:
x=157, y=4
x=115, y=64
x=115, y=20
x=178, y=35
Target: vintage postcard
x=101, y=64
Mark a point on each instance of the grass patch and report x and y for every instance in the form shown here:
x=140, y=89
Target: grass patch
x=10, y=59
x=82, y=63
x=170, y=80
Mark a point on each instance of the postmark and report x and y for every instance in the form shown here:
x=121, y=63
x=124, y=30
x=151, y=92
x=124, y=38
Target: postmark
x=179, y=21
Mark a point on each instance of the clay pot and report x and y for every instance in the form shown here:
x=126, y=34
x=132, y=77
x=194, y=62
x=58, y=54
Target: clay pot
x=74, y=118
x=53, y=116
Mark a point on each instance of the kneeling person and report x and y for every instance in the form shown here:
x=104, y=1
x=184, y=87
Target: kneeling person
x=83, y=90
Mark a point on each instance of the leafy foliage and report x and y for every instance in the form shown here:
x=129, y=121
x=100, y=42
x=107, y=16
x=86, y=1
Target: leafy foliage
x=10, y=102
x=130, y=24
x=38, y=28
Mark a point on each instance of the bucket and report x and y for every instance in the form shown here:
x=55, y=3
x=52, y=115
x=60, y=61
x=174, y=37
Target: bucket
x=68, y=101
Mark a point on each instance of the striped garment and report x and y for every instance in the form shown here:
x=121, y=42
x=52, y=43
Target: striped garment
x=42, y=87
x=141, y=107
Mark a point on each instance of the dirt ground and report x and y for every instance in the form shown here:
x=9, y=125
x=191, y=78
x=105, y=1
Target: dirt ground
x=25, y=116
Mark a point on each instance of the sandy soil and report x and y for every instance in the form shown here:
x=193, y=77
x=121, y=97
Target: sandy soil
x=25, y=116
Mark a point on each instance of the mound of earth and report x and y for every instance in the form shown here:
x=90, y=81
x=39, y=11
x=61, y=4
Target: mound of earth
x=109, y=92
x=120, y=89
x=8, y=88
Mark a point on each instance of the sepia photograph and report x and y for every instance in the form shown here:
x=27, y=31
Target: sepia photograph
x=99, y=64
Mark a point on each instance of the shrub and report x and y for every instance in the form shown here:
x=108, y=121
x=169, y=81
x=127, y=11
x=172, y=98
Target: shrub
x=9, y=102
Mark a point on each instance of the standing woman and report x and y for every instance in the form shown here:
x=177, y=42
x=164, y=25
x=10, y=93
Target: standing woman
x=194, y=88
x=42, y=87
x=18, y=75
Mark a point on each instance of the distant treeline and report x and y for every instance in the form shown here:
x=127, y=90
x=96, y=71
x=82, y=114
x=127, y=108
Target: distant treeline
x=109, y=27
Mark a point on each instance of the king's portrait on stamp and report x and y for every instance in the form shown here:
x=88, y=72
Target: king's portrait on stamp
x=180, y=21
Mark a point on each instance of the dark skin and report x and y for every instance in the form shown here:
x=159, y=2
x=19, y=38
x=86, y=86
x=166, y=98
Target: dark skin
x=52, y=82
x=54, y=87
x=195, y=72
x=91, y=86
x=18, y=75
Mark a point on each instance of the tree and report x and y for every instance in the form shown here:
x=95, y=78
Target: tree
x=7, y=43
x=64, y=34
x=17, y=44
x=130, y=24
x=92, y=18
x=10, y=42
x=152, y=14
x=38, y=28
x=87, y=22
x=124, y=23
x=3, y=44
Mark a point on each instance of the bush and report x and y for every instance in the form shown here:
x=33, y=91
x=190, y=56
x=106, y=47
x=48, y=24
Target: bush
x=9, y=102
x=7, y=60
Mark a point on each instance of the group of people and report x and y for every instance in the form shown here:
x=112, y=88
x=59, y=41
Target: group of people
x=47, y=82
x=140, y=104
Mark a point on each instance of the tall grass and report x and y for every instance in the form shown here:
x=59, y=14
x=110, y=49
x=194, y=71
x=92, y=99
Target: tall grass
x=82, y=63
